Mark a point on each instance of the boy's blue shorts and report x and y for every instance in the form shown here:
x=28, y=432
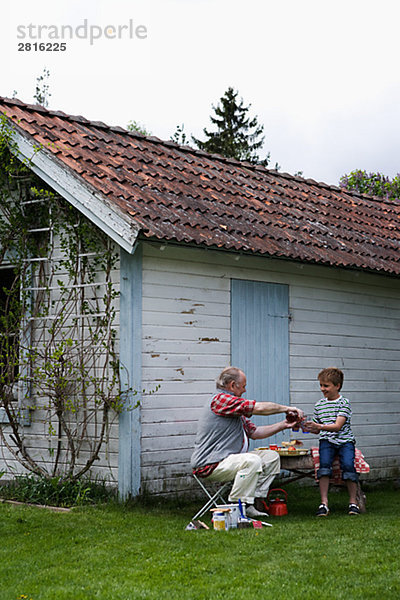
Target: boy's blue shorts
x=346, y=453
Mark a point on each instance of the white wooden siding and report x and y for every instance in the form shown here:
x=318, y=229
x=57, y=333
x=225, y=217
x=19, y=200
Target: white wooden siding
x=338, y=318
x=342, y=318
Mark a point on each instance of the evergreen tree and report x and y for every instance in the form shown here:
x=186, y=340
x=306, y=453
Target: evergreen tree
x=237, y=135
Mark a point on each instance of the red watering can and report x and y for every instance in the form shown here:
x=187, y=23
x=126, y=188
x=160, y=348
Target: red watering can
x=277, y=506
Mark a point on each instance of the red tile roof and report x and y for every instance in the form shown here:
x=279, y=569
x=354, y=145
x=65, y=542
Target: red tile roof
x=180, y=194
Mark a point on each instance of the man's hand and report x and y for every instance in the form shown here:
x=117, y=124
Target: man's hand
x=289, y=424
x=294, y=414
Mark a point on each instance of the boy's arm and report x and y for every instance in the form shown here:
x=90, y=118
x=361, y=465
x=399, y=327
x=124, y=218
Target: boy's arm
x=313, y=427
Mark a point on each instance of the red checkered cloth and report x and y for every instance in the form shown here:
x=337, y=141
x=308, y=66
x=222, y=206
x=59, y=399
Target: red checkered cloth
x=359, y=462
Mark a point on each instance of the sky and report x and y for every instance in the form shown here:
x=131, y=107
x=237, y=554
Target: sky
x=323, y=77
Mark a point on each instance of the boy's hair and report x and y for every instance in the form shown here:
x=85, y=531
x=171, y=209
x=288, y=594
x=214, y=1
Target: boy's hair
x=333, y=375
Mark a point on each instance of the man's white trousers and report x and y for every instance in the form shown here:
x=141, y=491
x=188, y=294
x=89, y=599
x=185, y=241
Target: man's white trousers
x=252, y=472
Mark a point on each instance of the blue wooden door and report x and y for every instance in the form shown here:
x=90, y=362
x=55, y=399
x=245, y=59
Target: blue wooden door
x=260, y=345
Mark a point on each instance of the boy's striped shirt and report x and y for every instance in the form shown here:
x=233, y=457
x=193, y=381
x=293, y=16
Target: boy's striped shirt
x=326, y=413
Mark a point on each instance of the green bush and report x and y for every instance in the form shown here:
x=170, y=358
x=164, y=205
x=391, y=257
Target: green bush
x=55, y=491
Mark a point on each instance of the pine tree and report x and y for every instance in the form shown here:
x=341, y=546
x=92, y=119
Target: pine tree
x=237, y=135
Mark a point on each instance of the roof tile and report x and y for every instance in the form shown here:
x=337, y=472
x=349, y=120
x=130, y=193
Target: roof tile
x=180, y=194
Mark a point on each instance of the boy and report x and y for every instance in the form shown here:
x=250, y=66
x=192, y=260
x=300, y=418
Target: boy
x=332, y=416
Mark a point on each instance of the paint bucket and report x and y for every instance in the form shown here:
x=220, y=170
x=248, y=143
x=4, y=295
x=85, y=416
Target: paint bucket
x=233, y=515
x=220, y=521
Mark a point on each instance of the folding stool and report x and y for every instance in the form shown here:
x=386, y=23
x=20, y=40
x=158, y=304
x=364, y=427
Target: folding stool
x=212, y=498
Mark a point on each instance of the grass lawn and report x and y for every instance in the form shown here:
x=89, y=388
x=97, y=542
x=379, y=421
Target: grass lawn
x=116, y=552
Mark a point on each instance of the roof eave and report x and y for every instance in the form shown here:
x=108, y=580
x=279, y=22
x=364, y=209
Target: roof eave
x=78, y=193
x=163, y=243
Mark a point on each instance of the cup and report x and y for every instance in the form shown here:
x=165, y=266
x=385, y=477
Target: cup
x=303, y=423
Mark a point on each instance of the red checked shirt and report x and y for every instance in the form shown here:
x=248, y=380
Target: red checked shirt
x=225, y=405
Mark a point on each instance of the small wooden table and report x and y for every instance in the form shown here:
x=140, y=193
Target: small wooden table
x=303, y=466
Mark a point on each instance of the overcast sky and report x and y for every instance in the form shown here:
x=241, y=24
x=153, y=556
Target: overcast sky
x=323, y=77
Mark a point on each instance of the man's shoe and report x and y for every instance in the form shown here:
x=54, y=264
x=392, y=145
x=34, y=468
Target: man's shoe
x=353, y=509
x=323, y=511
x=253, y=513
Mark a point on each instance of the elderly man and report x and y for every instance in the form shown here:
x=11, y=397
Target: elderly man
x=222, y=441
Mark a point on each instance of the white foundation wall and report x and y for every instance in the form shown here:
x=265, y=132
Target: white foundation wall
x=339, y=318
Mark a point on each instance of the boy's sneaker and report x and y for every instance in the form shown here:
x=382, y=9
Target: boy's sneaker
x=323, y=511
x=353, y=509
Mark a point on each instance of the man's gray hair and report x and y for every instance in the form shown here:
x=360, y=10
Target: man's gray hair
x=227, y=375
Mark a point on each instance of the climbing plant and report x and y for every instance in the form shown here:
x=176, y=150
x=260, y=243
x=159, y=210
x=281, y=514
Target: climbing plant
x=58, y=356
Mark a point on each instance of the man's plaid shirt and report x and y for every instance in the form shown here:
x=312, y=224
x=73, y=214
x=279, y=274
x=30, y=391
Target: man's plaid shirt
x=226, y=405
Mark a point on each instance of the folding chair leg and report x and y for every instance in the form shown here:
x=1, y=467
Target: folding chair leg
x=212, y=499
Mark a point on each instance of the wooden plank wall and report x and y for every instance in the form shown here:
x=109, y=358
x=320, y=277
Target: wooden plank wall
x=339, y=318
x=342, y=318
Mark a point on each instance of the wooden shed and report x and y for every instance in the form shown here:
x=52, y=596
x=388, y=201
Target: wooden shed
x=224, y=262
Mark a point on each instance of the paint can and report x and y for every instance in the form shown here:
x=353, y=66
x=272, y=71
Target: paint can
x=233, y=515
x=220, y=521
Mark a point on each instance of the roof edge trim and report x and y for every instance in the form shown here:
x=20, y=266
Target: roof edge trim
x=77, y=193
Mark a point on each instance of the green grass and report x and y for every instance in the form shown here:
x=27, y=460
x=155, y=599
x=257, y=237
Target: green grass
x=115, y=552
